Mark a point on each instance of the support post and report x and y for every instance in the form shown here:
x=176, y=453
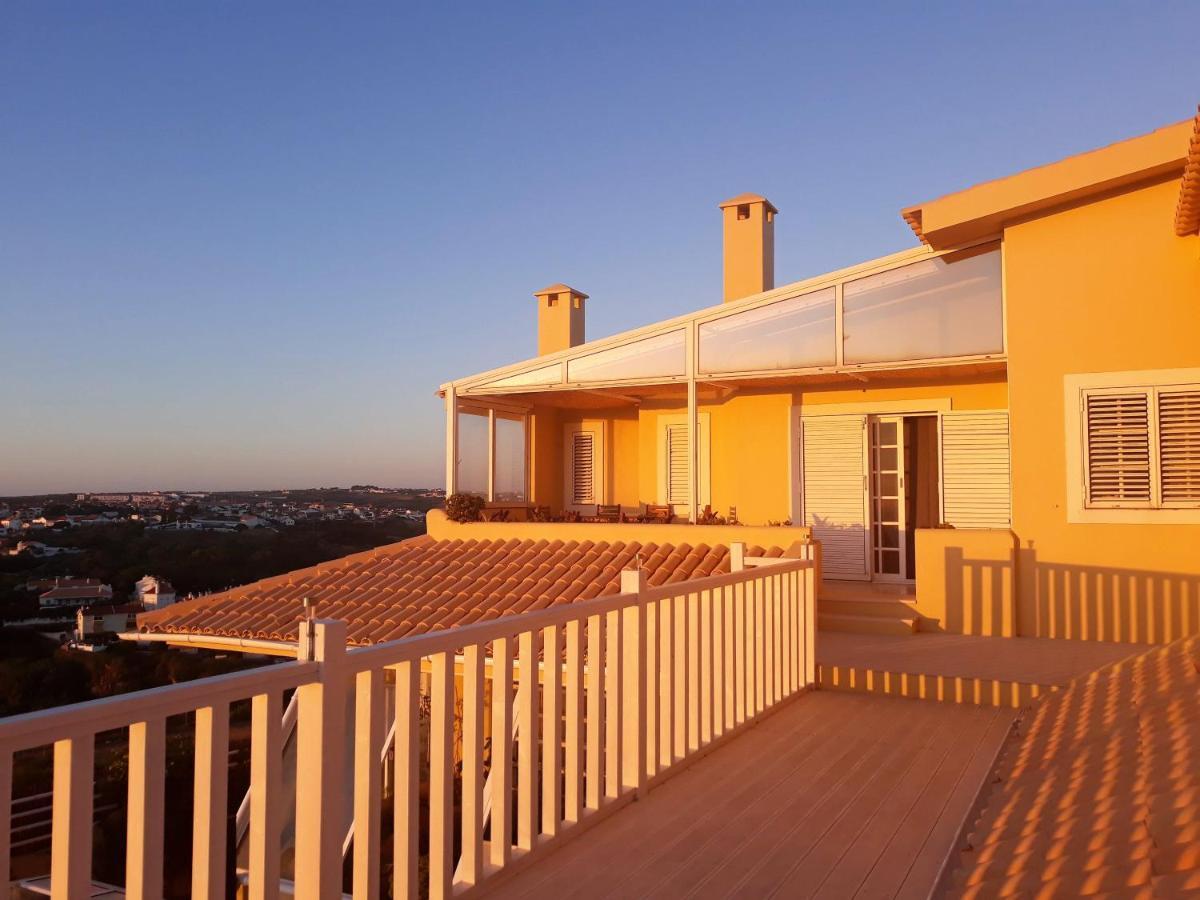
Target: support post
x=693, y=429
x=320, y=740
x=491, y=472
x=451, y=441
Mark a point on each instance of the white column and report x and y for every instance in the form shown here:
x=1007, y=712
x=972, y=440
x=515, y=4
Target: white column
x=451, y=440
x=693, y=429
x=491, y=489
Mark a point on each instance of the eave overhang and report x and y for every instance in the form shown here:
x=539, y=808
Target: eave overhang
x=985, y=209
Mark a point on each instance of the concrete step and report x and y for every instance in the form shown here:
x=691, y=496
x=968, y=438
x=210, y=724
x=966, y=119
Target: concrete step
x=865, y=624
x=883, y=607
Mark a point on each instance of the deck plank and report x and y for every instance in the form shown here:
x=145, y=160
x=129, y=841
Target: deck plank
x=836, y=792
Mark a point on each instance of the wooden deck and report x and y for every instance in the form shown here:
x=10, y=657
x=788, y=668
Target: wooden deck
x=836, y=795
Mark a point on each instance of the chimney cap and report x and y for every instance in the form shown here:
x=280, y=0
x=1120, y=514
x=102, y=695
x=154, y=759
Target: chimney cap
x=560, y=288
x=742, y=199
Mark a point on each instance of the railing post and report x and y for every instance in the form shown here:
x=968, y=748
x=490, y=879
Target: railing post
x=6, y=765
x=633, y=704
x=810, y=615
x=737, y=556
x=71, y=838
x=320, y=742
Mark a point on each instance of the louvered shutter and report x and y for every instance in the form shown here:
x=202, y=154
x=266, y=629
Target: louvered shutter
x=678, y=465
x=976, y=487
x=834, y=494
x=1179, y=447
x=583, y=456
x=1117, y=429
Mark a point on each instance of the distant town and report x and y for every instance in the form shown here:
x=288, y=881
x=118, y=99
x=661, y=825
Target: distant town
x=78, y=568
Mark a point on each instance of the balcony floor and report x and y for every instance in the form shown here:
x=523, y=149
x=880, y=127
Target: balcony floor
x=836, y=795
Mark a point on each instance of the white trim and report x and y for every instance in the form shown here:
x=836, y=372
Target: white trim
x=1074, y=387
x=877, y=407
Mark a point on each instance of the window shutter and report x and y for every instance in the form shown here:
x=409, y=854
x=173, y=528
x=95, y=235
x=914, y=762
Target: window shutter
x=976, y=489
x=678, y=465
x=834, y=492
x=1118, y=448
x=582, y=468
x=1179, y=446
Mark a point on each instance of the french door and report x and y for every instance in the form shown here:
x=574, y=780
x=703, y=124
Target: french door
x=887, y=501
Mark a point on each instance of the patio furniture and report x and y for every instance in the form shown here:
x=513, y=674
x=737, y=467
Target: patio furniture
x=606, y=513
x=661, y=514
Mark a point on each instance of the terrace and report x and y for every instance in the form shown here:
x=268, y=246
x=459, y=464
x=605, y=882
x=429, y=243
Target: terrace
x=696, y=729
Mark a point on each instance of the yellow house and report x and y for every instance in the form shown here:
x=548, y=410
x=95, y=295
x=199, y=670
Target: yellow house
x=1004, y=421
x=995, y=435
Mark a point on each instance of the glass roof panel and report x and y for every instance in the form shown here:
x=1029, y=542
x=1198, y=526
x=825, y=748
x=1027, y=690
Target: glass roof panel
x=543, y=375
x=796, y=333
x=661, y=356
x=949, y=306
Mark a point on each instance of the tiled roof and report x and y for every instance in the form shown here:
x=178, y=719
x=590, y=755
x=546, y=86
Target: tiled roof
x=73, y=592
x=1187, y=213
x=423, y=584
x=1100, y=791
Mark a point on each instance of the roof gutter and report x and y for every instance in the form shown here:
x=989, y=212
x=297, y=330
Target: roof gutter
x=215, y=642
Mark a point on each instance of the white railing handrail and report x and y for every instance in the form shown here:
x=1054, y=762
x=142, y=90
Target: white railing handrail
x=591, y=702
x=45, y=726
x=407, y=649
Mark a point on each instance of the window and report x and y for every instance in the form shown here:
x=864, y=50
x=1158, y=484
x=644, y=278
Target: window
x=583, y=455
x=510, y=460
x=1134, y=446
x=473, y=453
x=674, y=463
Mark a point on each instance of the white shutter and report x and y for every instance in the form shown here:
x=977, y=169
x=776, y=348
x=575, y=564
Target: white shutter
x=976, y=486
x=1117, y=432
x=1179, y=447
x=678, y=465
x=583, y=456
x=834, y=493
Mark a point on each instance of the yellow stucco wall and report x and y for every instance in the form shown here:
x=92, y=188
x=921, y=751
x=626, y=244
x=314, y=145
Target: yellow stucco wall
x=750, y=441
x=1101, y=287
x=966, y=581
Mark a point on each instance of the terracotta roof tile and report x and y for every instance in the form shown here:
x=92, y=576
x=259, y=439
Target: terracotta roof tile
x=1098, y=792
x=422, y=584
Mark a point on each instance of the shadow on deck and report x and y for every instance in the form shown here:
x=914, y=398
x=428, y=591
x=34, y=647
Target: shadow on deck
x=836, y=795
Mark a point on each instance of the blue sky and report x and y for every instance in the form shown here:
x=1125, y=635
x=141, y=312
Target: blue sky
x=241, y=244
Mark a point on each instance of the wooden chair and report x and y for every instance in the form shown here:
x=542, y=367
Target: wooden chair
x=499, y=515
x=661, y=514
x=606, y=513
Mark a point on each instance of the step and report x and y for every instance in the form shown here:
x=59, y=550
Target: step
x=883, y=607
x=859, y=624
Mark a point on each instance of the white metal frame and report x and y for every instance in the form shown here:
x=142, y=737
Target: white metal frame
x=479, y=384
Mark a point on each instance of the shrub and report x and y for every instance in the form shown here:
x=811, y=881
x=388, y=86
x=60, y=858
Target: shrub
x=464, y=507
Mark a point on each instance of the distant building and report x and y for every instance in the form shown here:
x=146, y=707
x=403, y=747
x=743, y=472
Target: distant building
x=95, y=621
x=75, y=595
x=38, y=550
x=153, y=592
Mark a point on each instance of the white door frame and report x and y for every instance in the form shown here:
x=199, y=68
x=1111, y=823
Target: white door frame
x=935, y=406
x=874, y=498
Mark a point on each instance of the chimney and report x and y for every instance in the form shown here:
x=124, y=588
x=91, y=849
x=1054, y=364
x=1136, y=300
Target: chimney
x=749, y=245
x=560, y=318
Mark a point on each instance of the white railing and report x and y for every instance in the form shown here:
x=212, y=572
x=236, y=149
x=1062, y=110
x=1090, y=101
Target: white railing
x=647, y=680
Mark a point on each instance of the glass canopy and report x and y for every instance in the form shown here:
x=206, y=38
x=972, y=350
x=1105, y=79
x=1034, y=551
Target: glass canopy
x=796, y=333
x=661, y=356
x=944, y=307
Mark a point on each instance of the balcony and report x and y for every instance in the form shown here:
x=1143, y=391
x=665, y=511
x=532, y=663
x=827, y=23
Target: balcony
x=645, y=682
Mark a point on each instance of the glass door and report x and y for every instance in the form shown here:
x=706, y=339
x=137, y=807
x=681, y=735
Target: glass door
x=888, y=538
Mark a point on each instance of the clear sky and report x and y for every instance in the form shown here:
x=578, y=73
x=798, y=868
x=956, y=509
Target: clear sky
x=242, y=243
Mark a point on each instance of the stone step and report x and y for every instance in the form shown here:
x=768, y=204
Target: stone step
x=883, y=607
x=860, y=624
